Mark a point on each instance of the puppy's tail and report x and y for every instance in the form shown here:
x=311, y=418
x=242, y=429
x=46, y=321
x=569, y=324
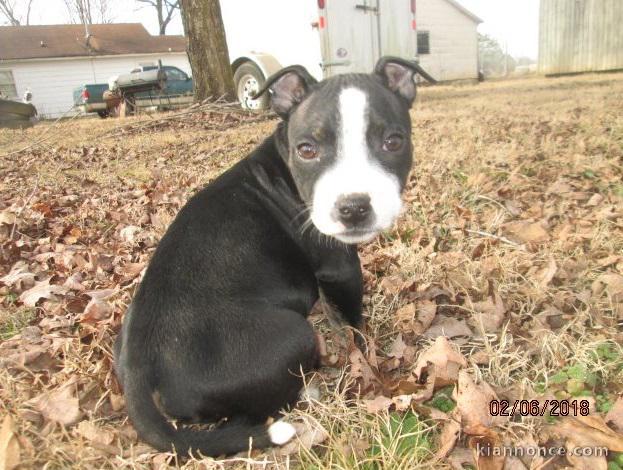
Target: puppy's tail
x=153, y=428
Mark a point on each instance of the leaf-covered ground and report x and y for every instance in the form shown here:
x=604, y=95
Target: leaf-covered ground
x=502, y=281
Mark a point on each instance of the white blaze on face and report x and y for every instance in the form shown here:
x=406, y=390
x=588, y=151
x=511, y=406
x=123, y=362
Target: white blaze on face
x=355, y=172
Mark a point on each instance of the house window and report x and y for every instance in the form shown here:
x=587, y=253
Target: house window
x=423, y=42
x=7, y=84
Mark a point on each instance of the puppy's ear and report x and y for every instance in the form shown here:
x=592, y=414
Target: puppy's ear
x=397, y=74
x=287, y=88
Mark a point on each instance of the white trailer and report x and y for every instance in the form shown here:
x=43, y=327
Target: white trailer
x=328, y=37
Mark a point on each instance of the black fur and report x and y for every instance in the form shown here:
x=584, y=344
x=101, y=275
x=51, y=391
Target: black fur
x=217, y=327
x=217, y=330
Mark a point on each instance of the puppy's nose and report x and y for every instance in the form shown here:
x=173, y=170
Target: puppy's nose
x=353, y=209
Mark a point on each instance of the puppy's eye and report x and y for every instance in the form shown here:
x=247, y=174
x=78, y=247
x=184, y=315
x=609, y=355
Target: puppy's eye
x=307, y=151
x=393, y=143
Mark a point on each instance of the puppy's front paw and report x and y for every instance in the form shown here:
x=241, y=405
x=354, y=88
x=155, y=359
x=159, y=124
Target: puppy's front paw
x=281, y=432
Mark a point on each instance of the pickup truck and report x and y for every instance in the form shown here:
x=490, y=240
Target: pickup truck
x=90, y=99
x=178, y=91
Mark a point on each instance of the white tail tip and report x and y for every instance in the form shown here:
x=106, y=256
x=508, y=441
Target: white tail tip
x=281, y=432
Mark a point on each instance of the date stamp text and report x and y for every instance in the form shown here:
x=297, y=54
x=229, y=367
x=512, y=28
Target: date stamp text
x=537, y=408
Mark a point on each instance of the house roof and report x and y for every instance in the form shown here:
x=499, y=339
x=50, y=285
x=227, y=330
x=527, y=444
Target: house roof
x=69, y=40
x=464, y=10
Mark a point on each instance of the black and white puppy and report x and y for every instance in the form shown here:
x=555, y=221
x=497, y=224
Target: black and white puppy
x=217, y=330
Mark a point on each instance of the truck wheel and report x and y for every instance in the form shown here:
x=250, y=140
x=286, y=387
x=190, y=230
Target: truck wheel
x=103, y=114
x=248, y=79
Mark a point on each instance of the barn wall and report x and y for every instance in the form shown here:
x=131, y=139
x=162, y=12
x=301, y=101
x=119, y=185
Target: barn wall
x=580, y=36
x=52, y=81
x=453, y=41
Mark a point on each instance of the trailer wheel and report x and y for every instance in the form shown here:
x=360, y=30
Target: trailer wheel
x=248, y=79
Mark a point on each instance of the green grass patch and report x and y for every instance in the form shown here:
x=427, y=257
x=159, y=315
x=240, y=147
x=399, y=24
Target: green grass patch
x=401, y=437
x=592, y=378
x=13, y=321
x=442, y=400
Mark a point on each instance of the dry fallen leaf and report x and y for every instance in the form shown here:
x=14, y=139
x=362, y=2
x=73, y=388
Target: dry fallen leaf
x=96, y=310
x=9, y=445
x=392, y=284
x=448, y=326
x=545, y=276
x=74, y=282
x=361, y=369
x=101, y=294
x=472, y=403
x=489, y=313
x=447, y=439
x=7, y=218
x=486, y=444
x=445, y=358
x=585, y=431
x=378, y=404
x=615, y=415
x=128, y=234
x=94, y=433
x=460, y=457
x=526, y=232
x=59, y=405
x=19, y=277
x=117, y=402
x=402, y=402
x=41, y=290
x=426, y=311
x=583, y=462
x=398, y=347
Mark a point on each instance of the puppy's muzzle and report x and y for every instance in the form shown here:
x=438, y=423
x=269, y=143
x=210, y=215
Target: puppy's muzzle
x=353, y=210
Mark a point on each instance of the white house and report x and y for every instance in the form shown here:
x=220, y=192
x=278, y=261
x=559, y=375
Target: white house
x=447, y=39
x=52, y=60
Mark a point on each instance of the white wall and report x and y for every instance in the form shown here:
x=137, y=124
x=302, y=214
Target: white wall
x=453, y=41
x=52, y=81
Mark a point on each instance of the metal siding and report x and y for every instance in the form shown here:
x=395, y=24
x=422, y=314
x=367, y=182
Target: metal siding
x=580, y=36
x=352, y=31
x=397, y=35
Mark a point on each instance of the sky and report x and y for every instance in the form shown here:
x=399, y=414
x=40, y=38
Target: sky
x=514, y=23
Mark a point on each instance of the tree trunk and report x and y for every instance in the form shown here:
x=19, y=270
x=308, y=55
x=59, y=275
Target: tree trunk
x=207, y=49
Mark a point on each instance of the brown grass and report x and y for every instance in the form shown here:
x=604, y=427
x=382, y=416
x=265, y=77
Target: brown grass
x=546, y=151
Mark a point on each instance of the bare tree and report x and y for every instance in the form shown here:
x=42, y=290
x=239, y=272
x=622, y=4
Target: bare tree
x=11, y=9
x=207, y=49
x=89, y=11
x=165, y=10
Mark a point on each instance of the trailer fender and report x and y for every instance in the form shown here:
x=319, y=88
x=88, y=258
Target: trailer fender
x=265, y=62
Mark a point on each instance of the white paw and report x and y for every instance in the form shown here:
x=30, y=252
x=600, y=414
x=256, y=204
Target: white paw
x=281, y=432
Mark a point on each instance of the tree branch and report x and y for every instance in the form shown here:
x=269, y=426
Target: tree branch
x=165, y=9
x=28, y=12
x=7, y=8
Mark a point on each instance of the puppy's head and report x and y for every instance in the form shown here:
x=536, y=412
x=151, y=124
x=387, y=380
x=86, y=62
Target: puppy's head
x=348, y=144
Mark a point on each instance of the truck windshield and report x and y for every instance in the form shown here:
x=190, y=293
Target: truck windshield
x=175, y=74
